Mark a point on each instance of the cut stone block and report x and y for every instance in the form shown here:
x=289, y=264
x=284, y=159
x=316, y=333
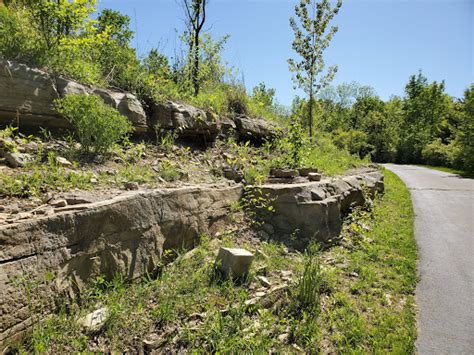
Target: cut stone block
x=234, y=262
x=314, y=177
x=306, y=171
x=283, y=173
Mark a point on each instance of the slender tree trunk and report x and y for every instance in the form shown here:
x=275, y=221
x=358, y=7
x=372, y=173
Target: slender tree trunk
x=196, y=65
x=311, y=114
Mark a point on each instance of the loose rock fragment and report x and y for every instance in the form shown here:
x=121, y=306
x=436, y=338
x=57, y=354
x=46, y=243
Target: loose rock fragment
x=234, y=262
x=63, y=161
x=264, y=281
x=283, y=173
x=93, y=322
x=307, y=171
x=16, y=160
x=131, y=185
x=318, y=195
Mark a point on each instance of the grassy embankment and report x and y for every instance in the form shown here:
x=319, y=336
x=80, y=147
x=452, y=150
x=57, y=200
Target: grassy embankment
x=449, y=170
x=354, y=297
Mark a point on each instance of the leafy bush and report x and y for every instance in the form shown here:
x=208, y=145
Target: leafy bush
x=465, y=136
x=438, y=154
x=168, y=172
x=289, y=147
x=354, y=141
x=79, y=58
x=98, y=126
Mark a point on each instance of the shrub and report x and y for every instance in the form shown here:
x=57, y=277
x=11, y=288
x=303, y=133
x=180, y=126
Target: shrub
x=18, y=39
x=289, y=146
x=438, y=154
x=98, y=126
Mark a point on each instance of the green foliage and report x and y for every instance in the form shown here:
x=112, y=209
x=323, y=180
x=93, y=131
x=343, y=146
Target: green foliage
x=290, y=146
x=18, y=40
x=57, y=19
x=439, y=154
x=465, y=133
x=116, y=25
x=98, y=126
x=424, y=107
x=353, y=141
x=263, y=96
x=165, y=138
x=327, y=157
x=42, y=177
x=237, y=99
x=426, y=126
x=168, y=171
x=7, y=144
x=256, y=204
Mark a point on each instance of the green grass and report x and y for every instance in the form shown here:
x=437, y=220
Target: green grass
x=330, y=159
x=372, y=310
x=356, y=297
x=448, y=170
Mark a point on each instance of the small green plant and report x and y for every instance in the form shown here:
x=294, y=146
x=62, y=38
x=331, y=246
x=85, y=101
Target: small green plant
x=309, y=285
x=168, y=171
x=7, y=144
x=256, y=204
x=165, y=138
x=98, y=126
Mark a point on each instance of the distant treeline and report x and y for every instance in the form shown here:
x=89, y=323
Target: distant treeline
x=426, y=126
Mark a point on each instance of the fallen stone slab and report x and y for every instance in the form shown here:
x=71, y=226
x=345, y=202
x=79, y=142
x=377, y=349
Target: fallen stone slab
x=306, y=171
x=283, y=173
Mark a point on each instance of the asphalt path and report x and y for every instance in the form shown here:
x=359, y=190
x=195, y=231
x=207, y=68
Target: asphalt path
x=444, y=231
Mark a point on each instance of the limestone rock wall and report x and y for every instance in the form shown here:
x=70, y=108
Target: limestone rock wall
x=128, y=234
x=27, y=98
x=314, y=210
x=125, y=235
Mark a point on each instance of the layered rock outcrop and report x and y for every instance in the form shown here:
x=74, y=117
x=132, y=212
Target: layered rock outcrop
x=186, y=120
x=314, y=210
x=127, y=234
x=254, y=129
x=27, y=99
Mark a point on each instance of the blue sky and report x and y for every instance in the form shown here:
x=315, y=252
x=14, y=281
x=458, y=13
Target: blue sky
x=379, y=43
